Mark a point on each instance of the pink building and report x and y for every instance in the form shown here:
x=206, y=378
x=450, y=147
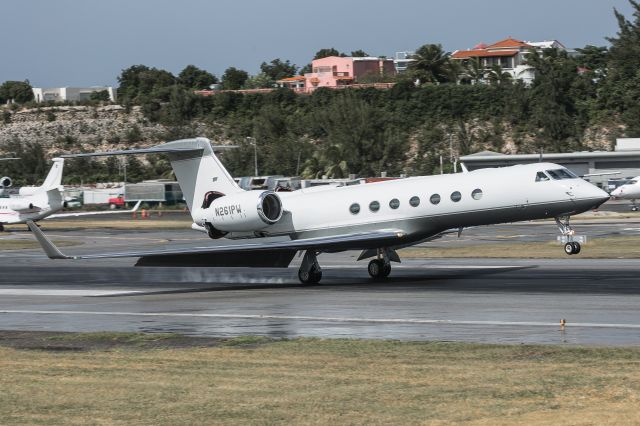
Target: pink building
x=335, y=71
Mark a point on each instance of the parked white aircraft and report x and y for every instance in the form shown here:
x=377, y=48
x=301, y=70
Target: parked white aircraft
x=377, y=218
x=34, y=203
x=629, y=191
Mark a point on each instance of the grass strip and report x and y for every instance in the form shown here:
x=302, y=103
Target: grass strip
x=256, y=380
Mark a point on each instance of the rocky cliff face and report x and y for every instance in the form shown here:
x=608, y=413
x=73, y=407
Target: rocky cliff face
x=101, y=128
x=73, y=127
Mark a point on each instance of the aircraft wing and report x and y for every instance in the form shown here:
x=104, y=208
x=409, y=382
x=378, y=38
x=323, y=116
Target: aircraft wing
x=333, y=243
x=72, y=214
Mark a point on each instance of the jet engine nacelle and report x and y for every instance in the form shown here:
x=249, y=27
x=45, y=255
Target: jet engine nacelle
x=28, y=190
x=5, y=182
x=20, y=205
x=244, y=212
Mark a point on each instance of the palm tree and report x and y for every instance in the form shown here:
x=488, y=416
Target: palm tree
x=430, y=64
x=498, y=76
x=455, y=71
x=474, y=70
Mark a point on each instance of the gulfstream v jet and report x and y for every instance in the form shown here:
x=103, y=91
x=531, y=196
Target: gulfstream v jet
x=376, y=218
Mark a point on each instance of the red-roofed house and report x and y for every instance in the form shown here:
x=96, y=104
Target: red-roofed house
x=294, y=83
x=510, y=54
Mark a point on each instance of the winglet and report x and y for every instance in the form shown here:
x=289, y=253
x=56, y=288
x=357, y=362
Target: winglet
x=49, y=248
x=135, y=208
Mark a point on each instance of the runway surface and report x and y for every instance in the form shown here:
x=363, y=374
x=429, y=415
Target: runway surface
x=475, y=300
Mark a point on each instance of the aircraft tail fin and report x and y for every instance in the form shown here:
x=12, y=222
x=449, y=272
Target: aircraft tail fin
x=54, y=178
x=199, y=171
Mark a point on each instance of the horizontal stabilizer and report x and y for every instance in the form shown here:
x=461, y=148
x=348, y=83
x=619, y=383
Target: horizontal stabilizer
x=97, y=213
x=152, y=150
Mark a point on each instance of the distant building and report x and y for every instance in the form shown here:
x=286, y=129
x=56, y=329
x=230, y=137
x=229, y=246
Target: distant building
x=294, y=83
x=510, y=54
x=333, y=72
x=336, y=71
x=67, y=94
x=623, y=162
x=402, y=60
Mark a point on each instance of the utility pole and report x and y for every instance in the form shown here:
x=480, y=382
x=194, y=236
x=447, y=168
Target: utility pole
x=252, y=141
x=298, y=165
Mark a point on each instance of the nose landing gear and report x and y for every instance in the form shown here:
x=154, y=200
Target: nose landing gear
x=568, y=235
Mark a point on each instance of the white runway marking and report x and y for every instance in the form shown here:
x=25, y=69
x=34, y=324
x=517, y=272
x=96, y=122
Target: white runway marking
x=327, y=319
x=48, y=292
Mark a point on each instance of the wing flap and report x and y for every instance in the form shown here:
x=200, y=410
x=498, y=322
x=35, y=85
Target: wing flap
x=331, y=243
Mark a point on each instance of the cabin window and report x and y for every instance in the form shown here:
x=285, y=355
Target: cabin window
x=394, y=204
x=374, y=206
x=541, y=177
x=560, y=174
x=435, y=199
x=456, y=196
x=414, y=201
x=476, y=194
x=355, y=208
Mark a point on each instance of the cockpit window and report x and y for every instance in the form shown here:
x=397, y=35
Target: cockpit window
x=632, y=182
x=559, y=174
x=541, y=177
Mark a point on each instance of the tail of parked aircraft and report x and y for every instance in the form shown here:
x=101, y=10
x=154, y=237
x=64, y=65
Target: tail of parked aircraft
x=198, y=170
x=54, y=178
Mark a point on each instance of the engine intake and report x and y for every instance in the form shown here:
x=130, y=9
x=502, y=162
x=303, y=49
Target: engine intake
x=5, y=182
x=244, y=212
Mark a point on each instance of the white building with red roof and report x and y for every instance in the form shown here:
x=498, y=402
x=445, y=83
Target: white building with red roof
x=510, y=54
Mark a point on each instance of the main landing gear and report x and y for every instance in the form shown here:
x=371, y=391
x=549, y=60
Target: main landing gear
x=379, y=269
x=310, y=271
x=568, y=235
x=634, y=207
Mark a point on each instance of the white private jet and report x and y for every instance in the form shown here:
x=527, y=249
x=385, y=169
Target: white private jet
x=377, y=218
x=629, y=191
x=34, y=203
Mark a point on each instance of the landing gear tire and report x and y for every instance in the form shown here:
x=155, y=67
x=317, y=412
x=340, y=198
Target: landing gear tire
x=312, y=276
x=1, y=227
x=379, y=269
x=634, y=209
x=568, y=248
x=576, y=247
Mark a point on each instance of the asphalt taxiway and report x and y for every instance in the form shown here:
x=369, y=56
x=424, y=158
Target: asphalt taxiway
x=476, y=300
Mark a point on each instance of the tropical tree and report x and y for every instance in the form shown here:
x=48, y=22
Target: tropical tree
x=277, y=69
x=430, y=64
x=359, y=54
x=234, y=79
x=193, y=77
x=325, y=53
x=622, y=89
x=140, y=81
x=16, y=91
x=454, y=71
x=498, y=76
x=474, y=70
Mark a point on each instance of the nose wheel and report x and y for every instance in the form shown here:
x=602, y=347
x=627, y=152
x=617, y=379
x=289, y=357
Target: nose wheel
x=572, y=247
x=568, y=234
